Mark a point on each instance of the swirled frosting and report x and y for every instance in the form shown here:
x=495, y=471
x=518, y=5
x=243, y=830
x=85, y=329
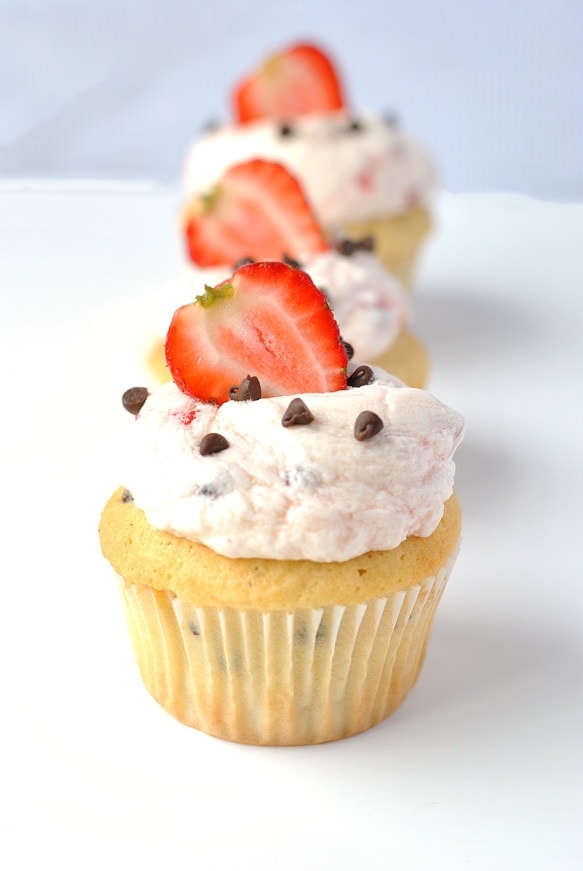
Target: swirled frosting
x=352, y=167
x=312, y=491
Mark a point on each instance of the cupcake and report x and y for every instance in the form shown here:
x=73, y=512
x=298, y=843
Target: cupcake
x=364, y=175
x=287, y=522
x=259, y=211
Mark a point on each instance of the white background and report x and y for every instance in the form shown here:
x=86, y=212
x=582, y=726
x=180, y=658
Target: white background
x=120, y=87
x=481, y=768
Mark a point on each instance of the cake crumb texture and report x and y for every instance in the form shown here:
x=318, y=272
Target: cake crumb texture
x=199, y=576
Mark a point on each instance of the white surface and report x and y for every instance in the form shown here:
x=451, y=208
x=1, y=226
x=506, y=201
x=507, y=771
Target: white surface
x=119, y=87
x=481, y=767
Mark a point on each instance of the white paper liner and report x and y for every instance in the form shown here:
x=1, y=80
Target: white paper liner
x=304, y=677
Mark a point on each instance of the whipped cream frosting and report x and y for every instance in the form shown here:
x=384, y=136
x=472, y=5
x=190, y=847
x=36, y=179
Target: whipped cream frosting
x=369, y=304
x=300, y=492
x=352, y=167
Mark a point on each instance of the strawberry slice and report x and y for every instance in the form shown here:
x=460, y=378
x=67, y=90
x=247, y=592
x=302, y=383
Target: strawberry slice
x=296, y=81
x=257, y=210
x=268, y=320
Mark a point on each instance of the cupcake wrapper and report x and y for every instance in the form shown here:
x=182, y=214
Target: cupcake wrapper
x=303, y=677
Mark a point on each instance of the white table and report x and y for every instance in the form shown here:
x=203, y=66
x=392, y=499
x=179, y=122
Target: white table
x=481, y=767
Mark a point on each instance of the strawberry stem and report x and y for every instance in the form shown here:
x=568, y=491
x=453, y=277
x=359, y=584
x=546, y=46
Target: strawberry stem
x=212, y=294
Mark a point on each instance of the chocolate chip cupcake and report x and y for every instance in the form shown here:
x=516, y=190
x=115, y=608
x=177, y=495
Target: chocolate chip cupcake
x=280, y=552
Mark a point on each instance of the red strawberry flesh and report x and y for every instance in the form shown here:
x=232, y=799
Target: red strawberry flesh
x=267, y=320
x=296, y=81
x=257, y=210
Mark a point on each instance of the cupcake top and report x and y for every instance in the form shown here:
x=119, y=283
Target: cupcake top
x=355, y=166
x=258, y=210
x=312, y=458
x=371, y=468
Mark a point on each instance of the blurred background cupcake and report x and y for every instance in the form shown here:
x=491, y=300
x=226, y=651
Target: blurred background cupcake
x=257, y=210
x=362, y=173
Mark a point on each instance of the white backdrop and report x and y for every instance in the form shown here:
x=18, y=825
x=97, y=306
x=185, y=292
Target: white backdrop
x=117, y=88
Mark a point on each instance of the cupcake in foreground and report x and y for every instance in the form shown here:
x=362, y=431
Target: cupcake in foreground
x=363, y=175
x=287, y=523
x=259, y=211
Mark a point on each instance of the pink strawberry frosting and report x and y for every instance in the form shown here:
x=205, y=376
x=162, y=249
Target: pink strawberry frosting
x=310, y=491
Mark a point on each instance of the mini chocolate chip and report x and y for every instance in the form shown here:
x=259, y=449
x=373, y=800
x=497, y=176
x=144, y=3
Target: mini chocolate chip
x=354, y=126
x=243, y=261
x=213, y=443
x=348, y=348
x=285, y=130
x=291, y=261
x=207, y=490
x=297, y=414
x=346, y=247
x=194, y=628
x=367, y=425
x=302, y=634
x=126, y=496
x=361, y=376
x=366, y=243
x=134, y=398
x=249, y=388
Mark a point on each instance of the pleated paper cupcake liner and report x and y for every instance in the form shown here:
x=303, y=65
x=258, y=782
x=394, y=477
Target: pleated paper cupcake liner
x=304, y=677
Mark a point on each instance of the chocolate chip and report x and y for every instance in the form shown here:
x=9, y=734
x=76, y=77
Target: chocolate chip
x=367, y=425
x=297, y=414
x=249, y=388
x=126, y=496
x=291, y=261
x=361, y=376
x=207, y=490
x=354, y=126
x=193, y=628
x=243, y=261
x=285, y=130
x=346, y=247
x=348, y=348
x=134, y=398
x=366, y=243
x=213, y=443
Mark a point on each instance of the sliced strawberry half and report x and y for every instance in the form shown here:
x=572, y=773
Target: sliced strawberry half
x=257, y=210
x=268, y=320
x=296, y=81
